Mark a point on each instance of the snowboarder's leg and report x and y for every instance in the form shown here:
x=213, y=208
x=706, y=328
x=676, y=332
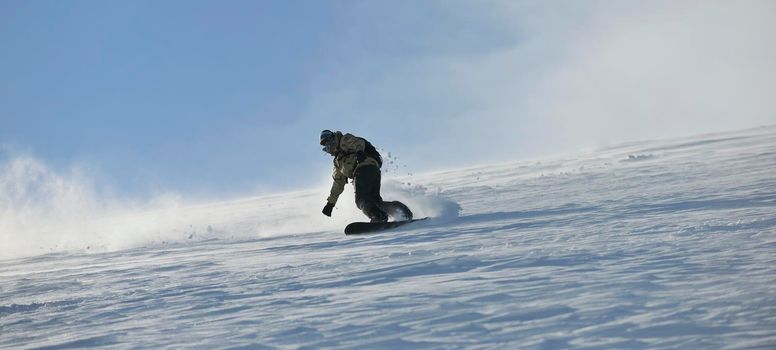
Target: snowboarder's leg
x=367, y=183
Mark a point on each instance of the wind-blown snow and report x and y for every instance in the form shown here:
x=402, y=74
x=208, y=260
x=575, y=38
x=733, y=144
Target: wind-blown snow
x=659, y=244
x=44, y=211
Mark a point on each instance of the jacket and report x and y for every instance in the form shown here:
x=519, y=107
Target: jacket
x=346, y=162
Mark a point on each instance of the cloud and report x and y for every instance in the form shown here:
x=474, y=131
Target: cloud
x=663, y=69
x=565, y=75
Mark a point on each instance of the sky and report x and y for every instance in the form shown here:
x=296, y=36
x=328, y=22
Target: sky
x=226, y=98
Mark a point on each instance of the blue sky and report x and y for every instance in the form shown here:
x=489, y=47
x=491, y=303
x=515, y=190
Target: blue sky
x=229, y=96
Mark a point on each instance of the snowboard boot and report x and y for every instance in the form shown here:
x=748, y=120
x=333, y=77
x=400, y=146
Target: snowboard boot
x=397, y=210
x=376, y=215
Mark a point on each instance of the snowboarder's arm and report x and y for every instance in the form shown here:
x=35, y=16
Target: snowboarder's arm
x=337, y=187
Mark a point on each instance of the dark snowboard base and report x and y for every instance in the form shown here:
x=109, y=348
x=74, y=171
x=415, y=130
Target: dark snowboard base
x=358, y=228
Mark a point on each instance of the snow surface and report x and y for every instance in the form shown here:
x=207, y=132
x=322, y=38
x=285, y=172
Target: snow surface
x=658, y=244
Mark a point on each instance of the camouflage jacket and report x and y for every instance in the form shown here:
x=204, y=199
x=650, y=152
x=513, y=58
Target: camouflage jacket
x=346, y=162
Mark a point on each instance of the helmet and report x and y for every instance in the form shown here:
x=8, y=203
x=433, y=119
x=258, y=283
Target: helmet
x=328, y=141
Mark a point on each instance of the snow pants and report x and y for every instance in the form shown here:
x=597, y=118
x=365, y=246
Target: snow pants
x=367, y=183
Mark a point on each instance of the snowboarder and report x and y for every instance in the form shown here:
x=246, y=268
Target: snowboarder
x=355, y=158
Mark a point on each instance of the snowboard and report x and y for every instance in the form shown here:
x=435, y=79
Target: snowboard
x=358, y=228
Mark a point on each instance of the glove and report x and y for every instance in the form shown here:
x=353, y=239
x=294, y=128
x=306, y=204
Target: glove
x=327, y=209
x=360, y=156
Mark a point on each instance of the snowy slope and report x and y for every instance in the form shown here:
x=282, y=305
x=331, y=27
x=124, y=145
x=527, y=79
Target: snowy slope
x=659, y=244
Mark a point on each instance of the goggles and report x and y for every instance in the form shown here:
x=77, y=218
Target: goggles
x=328, y=141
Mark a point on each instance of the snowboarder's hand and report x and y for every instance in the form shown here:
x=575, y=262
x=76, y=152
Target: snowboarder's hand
x=327, y=209
x=360, y=156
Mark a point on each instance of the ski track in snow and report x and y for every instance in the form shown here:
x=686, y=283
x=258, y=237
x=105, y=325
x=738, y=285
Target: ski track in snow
x=648, y=245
